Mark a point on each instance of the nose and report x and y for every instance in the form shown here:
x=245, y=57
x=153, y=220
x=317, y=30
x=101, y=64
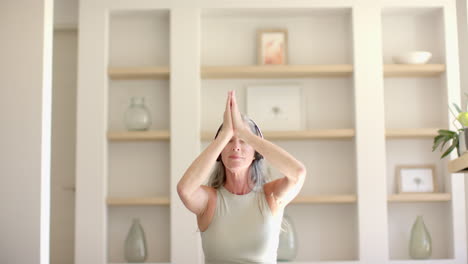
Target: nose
x=236, y=145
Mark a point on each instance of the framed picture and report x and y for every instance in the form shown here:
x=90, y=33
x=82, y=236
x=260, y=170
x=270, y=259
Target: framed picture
x=276, y=107
x=272, y=46
x=416, y=179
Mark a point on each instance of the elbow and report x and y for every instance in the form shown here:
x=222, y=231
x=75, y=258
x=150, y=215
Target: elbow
x=301, y=172
x=181, y=190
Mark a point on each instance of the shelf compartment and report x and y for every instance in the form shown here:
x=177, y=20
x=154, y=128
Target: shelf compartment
x=299, y=134
x=139, y=73
x=138, y=135
x=420, y=197
x=324, y=199
x=411, y=133
x=119, y=201
x=413, y=70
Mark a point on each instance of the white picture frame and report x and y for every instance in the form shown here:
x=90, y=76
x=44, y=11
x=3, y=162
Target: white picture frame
x=276, y=107
x=416, y=179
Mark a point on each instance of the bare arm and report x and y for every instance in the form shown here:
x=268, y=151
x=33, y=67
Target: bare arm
x=286, y=188
x=190, y=189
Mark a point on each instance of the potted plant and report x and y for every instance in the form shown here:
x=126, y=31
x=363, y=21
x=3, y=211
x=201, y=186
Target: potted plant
x=458, y=138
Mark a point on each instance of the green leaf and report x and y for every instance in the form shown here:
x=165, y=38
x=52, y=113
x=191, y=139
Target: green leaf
x=437, y=140
x=445, y=132
x=457, y=107
x=443, y=145
x=450, y=148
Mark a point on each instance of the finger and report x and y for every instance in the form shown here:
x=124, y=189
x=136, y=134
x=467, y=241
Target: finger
x=228, y=101
x=234, y=101
x=229, y=106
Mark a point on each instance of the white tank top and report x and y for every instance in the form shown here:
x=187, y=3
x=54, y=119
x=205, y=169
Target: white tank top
x=242, y=231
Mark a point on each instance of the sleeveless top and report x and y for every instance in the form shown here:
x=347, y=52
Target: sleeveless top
x=243, y=230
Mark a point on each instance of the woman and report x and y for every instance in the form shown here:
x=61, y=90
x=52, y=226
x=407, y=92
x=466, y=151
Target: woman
x=239, y=215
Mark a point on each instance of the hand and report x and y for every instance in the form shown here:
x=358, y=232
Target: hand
x=238, y=124
x=227, y=130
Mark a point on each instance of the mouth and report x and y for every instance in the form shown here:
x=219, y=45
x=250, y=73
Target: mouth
x=235, y=157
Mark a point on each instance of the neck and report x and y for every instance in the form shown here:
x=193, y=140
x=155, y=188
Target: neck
x=238, y=182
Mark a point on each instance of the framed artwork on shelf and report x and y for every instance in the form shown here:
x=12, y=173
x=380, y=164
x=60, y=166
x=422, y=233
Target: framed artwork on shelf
x=272, y=46
x=276, y=107
x=416, y=179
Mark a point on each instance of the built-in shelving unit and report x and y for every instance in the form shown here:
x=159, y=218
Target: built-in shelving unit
x=363, y=115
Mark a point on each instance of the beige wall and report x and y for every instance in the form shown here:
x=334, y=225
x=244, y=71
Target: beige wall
x=25, y=94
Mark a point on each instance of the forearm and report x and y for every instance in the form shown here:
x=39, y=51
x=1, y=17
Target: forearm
x=278, y=157
x=199, y=170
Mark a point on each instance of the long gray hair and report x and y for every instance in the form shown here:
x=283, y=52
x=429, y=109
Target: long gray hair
x=258, y=174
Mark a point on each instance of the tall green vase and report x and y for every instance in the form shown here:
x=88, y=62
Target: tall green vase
x=420, y=243
x=287, y=248
x=135, y=243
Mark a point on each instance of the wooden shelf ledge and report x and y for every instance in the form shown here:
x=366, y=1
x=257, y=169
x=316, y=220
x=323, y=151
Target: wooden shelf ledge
x=312, y=199
x=138, y=135
x=298, y=135
x=277, y=135
x=420, y=197
x=274, y=71
x=459, y=165
x=412, y=133
x=124, y=201
x=413, y=70
x=139, y=73
x=324, y=199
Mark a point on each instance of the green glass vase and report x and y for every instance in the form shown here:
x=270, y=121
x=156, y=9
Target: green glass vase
x=287, y=248
x=420, y=243
x=135, y=243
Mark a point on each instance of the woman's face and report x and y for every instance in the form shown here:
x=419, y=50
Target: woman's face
x=237, y=154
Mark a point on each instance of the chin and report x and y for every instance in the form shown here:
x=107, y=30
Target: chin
x=235, y=166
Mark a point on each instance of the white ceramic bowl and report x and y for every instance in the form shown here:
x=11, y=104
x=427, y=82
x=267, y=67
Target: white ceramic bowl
x=414, y=57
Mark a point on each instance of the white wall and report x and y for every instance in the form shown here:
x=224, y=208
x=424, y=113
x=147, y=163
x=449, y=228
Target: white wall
x=25, y=81
x=463, y=44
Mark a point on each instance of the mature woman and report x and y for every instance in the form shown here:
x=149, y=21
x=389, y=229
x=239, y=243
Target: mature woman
x=239, y=214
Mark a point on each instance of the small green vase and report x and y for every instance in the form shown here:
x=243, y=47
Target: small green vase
x=420, y=243
x=135, y=244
